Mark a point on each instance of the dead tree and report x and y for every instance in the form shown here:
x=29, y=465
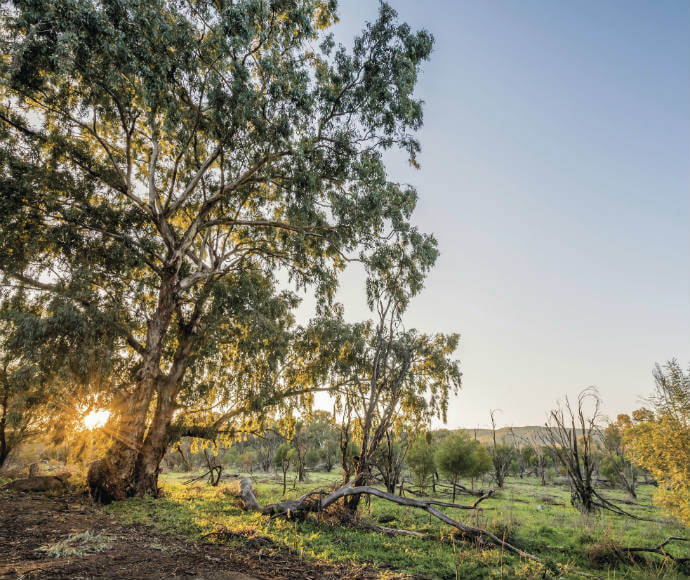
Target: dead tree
x=213, y=471
x=616, y=465
x=501, y=459
x=570, y=434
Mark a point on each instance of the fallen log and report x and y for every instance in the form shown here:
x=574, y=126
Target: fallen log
x=310, y=503
x=40, y=482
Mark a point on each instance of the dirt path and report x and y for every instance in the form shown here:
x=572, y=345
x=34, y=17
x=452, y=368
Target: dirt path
x=31, y=520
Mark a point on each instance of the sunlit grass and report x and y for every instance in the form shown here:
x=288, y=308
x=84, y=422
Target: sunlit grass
x=555, y=531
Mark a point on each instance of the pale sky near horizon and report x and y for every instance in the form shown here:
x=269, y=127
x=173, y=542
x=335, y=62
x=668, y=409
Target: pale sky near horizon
x=555, y=176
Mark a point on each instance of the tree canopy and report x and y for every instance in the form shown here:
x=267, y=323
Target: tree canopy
x=659, y=439
x=163, y=164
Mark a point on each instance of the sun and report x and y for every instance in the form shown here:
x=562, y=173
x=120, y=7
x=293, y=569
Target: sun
x=96, y=419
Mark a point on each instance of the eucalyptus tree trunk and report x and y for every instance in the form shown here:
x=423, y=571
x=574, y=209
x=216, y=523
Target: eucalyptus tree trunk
x=4, y=447
x=132, y=463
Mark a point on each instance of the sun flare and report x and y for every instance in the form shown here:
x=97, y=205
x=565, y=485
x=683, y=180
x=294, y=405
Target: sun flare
x=96, y=419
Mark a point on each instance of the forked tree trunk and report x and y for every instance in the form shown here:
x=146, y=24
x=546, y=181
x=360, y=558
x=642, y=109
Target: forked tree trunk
x=128, y=471
x=155, y=445
x=130, y=467
x=352, y=501
x=114, y=476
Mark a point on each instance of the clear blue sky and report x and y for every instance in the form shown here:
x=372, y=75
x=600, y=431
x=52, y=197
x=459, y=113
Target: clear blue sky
x=555, y=175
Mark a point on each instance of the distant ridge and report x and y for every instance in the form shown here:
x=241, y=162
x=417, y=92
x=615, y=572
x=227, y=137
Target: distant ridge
x=504, y=434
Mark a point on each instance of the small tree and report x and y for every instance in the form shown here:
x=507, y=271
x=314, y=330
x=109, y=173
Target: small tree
x=323, y=435
x=388, y=374
x=300, y=444
x=536, y=455
x=659, y=440
x=420, y=460
x=266, y=447
x=389, y=459
x=483, y=463
x=312, y=458
x=457, y=456
x=615, y=465
x=247, y=461
x=282, y=459
x=501, y=455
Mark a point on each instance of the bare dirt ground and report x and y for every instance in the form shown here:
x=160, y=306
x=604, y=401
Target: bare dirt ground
x=31, y=520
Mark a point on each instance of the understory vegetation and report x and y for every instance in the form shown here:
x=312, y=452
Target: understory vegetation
x=539, y=519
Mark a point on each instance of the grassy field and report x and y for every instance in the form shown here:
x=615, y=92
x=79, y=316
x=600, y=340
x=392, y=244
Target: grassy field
x=538, y=519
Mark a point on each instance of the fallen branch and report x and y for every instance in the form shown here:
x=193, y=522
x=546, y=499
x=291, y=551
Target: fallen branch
x=612, y=507
x=307, y=503
x=392, y=531
x=472, y=506
x=660, y=549
x=460, y=489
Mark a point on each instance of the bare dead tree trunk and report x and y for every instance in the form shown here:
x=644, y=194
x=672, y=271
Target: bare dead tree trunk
x=575, y=450
x=500, y=468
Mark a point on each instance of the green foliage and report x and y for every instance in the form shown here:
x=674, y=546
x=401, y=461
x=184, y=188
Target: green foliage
x=27, y=398
x=615, y=464
x=459, y=456
x=162, y=165
x=284, y=455
x=420, y=460
x=483, y=461
x=312, y=457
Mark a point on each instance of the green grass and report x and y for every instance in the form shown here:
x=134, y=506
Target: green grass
x=557, y=533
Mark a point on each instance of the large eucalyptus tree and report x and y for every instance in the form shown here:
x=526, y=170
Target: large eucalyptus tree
x=162, y=161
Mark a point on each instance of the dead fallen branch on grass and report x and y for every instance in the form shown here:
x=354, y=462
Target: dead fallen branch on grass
x=472, y=506
x=460, y=489
x=317, y=502
x=660, y=549
x=40, y=483
x=604, y=503
x=214, y=471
